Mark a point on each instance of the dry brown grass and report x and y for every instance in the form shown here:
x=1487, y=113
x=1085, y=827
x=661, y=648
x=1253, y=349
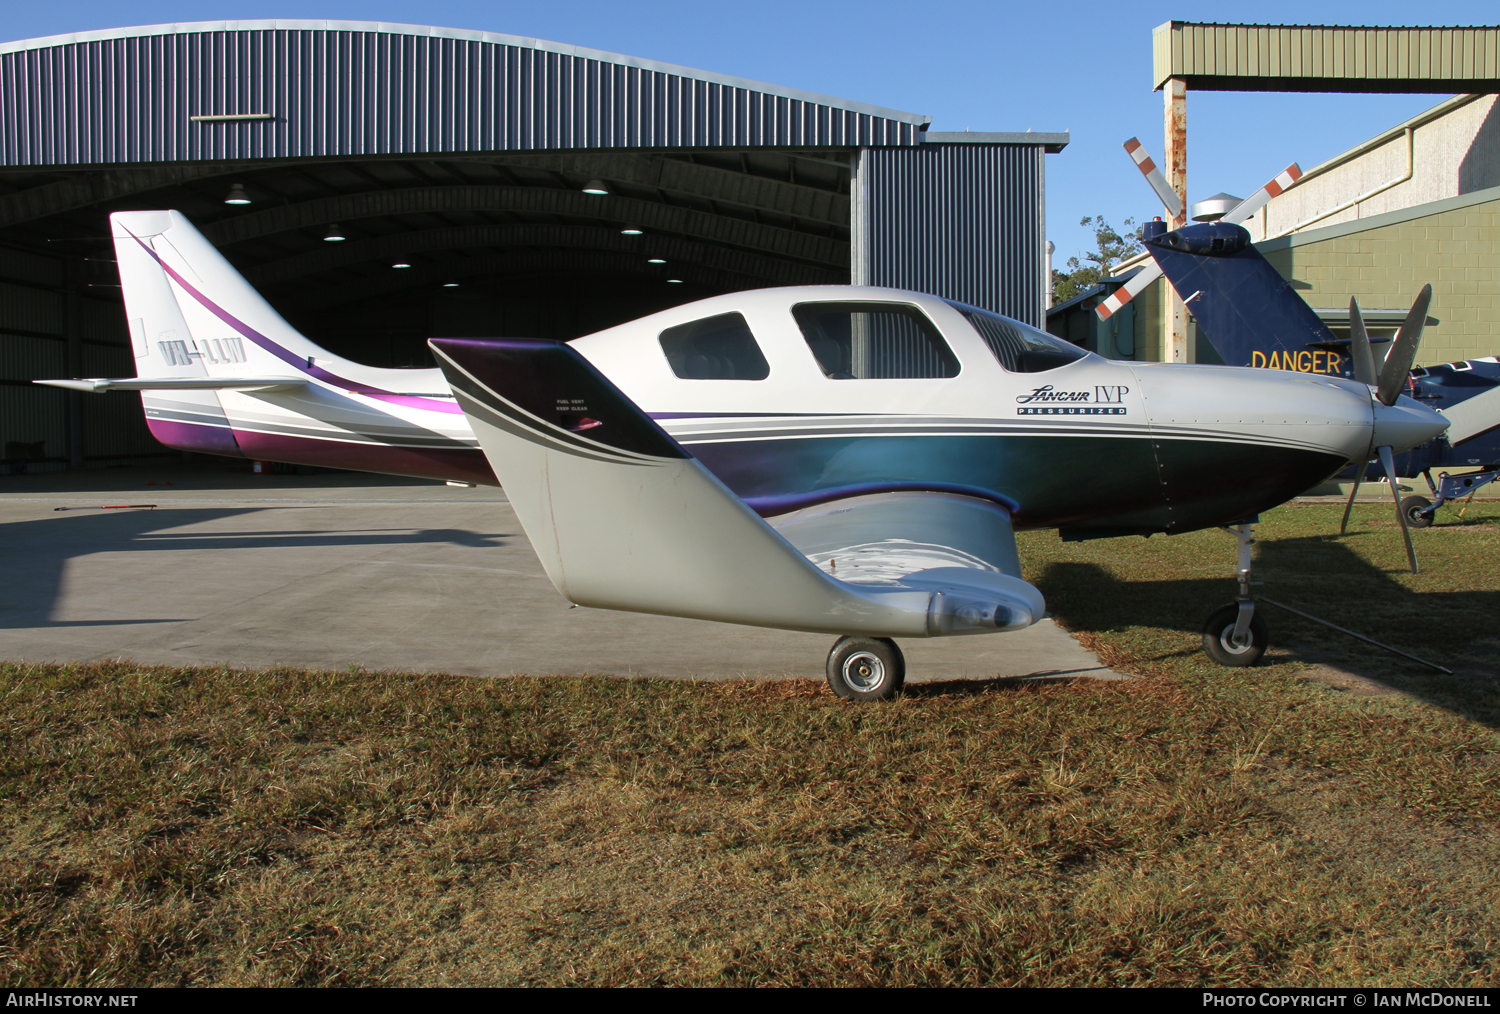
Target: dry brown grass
x=1193, y=826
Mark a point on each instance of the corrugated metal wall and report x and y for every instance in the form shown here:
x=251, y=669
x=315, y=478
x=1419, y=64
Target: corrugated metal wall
x=960, y=221
x=1360, y=58
x=375, y=93
x=34, y=325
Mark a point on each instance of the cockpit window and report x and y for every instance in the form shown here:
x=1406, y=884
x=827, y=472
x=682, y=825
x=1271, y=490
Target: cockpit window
x=1020, y=348
x=874, y=341
x=715, y=348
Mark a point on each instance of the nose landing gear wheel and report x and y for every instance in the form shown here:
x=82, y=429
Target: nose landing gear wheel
x=1412, y=507
x=1218, y=637
x=866, y=668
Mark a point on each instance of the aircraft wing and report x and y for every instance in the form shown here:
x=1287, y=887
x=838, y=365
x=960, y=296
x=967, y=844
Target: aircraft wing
x=98, y=385
x=623, y=517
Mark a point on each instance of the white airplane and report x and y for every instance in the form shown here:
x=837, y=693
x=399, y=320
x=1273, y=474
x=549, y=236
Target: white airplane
x=839, y=459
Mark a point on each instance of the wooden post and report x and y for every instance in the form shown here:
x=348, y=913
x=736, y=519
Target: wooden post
x=1174, y=107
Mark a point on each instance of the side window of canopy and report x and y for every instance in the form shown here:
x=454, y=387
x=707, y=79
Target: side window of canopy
x=1020, y=348
x=714, y=348
x=874, y=341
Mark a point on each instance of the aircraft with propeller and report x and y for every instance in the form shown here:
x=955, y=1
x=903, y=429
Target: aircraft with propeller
x=1254, y=318
x=842, y=459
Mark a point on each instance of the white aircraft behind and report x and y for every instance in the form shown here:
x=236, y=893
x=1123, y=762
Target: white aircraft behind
x=840, y=459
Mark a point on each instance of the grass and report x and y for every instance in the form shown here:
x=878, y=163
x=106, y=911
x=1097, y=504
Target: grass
x=1192, y=826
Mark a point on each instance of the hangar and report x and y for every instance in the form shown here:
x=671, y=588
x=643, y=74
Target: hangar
x=1418, y=203
x=383, y=184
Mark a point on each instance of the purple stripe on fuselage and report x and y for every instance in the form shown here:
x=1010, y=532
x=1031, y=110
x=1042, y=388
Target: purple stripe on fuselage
x=458, y=464
x=773, y=506
x=298, y=362
x=195, y=437
x=751, y=415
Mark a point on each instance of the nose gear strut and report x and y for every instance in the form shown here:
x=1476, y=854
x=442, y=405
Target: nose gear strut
x=1235, y=634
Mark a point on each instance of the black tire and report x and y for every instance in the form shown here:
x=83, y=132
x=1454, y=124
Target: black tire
x=866, y=668
x=1216, y=637
x=1412, y=506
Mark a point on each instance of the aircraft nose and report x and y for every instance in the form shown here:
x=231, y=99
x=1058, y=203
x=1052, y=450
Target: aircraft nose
x=1405, y=425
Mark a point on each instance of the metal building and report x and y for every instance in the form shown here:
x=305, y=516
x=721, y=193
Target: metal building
x=382, y=184
x=1417, y=204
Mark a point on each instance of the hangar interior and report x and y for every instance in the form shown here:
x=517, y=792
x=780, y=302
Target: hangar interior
x=384, y=184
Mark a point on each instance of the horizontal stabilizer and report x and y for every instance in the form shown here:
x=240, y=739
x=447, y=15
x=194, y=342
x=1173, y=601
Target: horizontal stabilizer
x=99, y=385
x=623, y=517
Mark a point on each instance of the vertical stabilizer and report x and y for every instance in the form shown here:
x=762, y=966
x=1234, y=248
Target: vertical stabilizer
x=1250, y=314
x=176, y=281
x=162, y=339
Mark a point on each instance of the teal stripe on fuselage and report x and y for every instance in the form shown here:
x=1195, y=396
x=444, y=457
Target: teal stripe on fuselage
x=1127, y=482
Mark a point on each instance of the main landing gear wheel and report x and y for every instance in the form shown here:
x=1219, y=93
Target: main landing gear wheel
x=866, y=668
x=1412, y=507
x=1218, y=637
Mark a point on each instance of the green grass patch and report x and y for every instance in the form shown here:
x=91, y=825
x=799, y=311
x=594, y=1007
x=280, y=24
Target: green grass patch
x=1195, y=825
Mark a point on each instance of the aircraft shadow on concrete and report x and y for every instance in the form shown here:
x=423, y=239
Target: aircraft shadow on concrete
x=36, y=552
x=1323, y=576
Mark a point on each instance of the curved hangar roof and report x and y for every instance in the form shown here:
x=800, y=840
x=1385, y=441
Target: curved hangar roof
x=464, y=154
x=268, y=89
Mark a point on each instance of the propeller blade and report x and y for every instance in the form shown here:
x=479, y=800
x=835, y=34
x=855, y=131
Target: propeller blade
x=1359, y=347
x=1284, y=181
x=1168, y=196
x=1387, y=461
x=1125, y=293
x=1359, y=477
x=1397, y=368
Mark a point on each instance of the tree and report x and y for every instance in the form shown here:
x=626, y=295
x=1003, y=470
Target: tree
x=1111, y=248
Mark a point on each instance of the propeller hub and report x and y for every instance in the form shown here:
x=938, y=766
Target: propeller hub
x=1405, y=425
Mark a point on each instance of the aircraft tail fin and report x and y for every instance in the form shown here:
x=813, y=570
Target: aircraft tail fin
x=196, y=328
x=1249, y=313
x=191, y=313
x=623, y=517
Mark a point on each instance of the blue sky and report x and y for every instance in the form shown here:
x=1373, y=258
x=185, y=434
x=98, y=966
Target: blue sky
x=1082, y=66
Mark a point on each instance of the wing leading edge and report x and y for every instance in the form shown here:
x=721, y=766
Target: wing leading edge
x=623, y=518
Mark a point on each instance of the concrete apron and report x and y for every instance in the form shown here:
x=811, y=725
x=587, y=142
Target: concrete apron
x=376, y=573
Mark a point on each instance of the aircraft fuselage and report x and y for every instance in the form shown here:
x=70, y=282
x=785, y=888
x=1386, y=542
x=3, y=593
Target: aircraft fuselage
x=1085, y=444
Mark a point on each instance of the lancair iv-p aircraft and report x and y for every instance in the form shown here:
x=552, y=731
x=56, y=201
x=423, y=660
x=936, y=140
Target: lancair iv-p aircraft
x=846, y=460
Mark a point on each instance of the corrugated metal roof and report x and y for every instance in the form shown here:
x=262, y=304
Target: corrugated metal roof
x=317, y=88
x=1054, y=142
x=463, y=35
x=1213, y=57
